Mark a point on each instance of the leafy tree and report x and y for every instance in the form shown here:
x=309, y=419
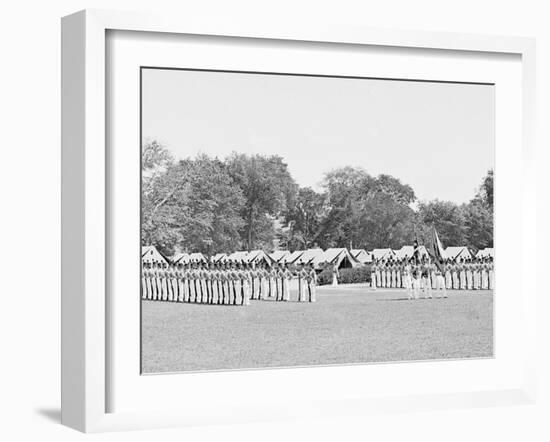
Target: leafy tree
x=448, y=219
x=247, y=201
x=303, y=219
x=485, y=192
x=478, y=215
x=194, y=205
x=156, y=160
x=478, y=224
x=268, y=189
x=155, y=156
x=365, y=211
x=343, y=187
x=392, y=188
x=385, y=223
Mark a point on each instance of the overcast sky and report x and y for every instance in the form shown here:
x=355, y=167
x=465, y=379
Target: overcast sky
x=436, y=137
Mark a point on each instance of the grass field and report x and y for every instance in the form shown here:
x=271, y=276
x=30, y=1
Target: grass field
x=347, y=324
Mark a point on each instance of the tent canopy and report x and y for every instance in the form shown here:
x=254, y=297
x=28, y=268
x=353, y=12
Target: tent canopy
x=150, y=254
x=258, y=256
x=339, y=257
x=290, y=259
x=180, y=257
x=408, y=251
x=488, y=251
x=309, y=256
x=361, y=255
x=460, y=252
x=239, y=256
x=278, y=255
x=186, y=258
x=219, y=257
x=197, y=257
x=382, y=253
x=254, y=256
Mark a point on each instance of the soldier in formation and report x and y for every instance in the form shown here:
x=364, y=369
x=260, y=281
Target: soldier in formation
x=225, y=283
x=421, y=275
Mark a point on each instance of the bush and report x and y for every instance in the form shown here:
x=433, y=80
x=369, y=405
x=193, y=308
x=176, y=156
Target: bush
x=325, y=277
x=353, y=275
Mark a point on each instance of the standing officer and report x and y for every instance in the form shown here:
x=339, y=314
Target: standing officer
x=491, y=274
x=144, y=277
x=287, y=277
x=312, y=283
x=373, y=270
x=302, y=283
x=407, y=278
x=246, y=284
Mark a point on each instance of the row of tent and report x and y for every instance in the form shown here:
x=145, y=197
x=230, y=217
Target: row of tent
x=341, y=257
x=456, y=253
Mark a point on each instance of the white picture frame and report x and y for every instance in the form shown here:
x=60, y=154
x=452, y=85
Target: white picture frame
x=85, y=213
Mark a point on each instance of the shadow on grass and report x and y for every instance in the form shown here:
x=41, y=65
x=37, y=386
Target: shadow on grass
x=410, y=300
x=395, y=299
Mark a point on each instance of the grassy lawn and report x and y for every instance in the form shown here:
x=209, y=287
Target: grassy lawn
x=346, y=325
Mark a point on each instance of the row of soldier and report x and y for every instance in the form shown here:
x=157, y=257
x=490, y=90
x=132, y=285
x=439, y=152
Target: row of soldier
x=225, y=283
x=462, y=274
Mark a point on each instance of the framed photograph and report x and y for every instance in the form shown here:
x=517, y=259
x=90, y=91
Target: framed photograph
x=264, y=222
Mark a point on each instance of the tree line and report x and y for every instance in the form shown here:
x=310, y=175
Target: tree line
x=246, y=202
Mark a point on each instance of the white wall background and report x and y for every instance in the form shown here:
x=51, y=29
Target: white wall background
x=30, y=214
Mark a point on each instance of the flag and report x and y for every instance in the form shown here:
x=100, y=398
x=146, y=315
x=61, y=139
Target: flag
x=435, y=249
x=416, y=249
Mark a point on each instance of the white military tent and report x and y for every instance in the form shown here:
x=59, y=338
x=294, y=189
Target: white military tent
x=408, y=251
x=382, y=254
x=293, y=257
x=150, y=254
x=186, y=258
x=339, y=257
x=257, y=257
x=219, y=257
x=457, y=253
x=279, y=255
x=308, y=256
x=361, y=255
x=488, y=251
x=239, y=256
x=181, y=258
x=197, y=257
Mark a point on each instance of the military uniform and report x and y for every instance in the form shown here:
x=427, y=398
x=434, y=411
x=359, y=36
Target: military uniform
x=400, y=266
x=287, y=277
x=312, y=285
x=407, y=280
x=264, y=283
x=247, y=283
x=144, y=278
x=416, y=280
x=491, y=274
x=448, y=276
x=273, y=282
x=440, y=286
x=425, y=281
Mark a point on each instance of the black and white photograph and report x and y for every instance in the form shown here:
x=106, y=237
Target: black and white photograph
x=292, y=220
x=275, y=221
